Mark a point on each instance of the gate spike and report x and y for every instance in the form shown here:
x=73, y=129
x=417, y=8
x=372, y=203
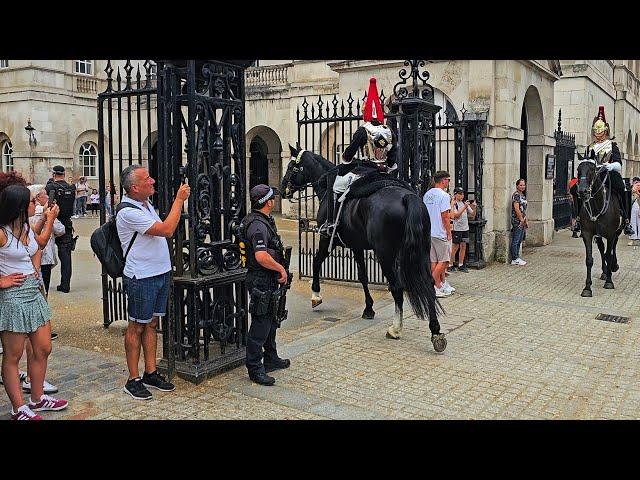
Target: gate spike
x=119, y=79
x=127, y=69
x=109, y=70
x=147, y=68
x=138, y=78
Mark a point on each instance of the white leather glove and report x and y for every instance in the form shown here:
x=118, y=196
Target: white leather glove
x=613, y=166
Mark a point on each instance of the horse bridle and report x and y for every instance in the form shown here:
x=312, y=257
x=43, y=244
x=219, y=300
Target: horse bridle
x=294, y=170
x=589, y=195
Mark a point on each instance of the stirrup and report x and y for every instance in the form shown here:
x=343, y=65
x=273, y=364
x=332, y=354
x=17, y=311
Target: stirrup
x=326, y=229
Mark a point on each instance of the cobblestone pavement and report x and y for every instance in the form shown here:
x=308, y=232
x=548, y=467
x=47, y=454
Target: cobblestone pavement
x=522, y=344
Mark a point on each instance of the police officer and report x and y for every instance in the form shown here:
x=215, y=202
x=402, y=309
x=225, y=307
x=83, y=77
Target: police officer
x=265, y=271
x=64, y=194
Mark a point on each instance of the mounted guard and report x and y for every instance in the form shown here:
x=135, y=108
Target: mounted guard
x=606, y=154
x=377, y=145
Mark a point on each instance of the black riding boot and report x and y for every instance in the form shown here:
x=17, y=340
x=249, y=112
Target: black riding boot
x=329, y=224
x=625, y=202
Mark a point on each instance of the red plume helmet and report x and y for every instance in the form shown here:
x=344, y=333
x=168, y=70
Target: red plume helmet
x=373, y=107
x=600, y=122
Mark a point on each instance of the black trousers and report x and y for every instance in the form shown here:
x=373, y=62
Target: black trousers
x=262, y=332
x=46, y=276
x=262, y=335
x=64, y=253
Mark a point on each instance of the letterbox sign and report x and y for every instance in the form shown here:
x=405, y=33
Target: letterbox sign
x=550, y=166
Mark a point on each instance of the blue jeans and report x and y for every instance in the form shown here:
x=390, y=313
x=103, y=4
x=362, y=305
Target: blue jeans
x=517, y=235
x=147, y=297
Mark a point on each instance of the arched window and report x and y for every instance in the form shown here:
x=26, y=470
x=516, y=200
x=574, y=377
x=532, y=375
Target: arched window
x=7, y=156
x=84, y=66
x=88, y=160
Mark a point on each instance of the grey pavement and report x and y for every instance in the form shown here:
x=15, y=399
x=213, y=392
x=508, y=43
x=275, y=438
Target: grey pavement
x=522, y=344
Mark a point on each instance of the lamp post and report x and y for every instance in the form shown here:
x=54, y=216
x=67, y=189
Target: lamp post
x=32, y=136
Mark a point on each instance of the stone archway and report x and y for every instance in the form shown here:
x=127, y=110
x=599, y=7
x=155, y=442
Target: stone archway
x=539, y=189
x=264, y=151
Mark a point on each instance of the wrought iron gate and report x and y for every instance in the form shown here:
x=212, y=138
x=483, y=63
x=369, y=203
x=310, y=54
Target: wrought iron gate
x=564, y=152
x=127, y=104
x=200, y=125
x=426, y=143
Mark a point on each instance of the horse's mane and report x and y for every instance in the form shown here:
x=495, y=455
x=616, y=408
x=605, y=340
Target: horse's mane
x=323, y=161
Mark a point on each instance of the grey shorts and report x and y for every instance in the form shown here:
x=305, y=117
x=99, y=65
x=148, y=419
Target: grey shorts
x=440, y=250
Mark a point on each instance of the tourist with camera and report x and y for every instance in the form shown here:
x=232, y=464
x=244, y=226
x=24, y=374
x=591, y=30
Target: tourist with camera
x=460, y=212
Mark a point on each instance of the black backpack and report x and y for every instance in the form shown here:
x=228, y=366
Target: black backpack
x=105, y=243
x=65, y=197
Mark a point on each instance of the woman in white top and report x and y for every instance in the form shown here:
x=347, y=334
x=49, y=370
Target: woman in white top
x=37, y=222
x=635, y=211
x=23, y=309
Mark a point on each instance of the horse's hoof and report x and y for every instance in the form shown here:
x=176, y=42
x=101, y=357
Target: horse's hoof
x=439, y=342
x=315, y=303
x=586, y=293
x=368, y=314
x=609, y=286
x=388, y=335
x=603, y=276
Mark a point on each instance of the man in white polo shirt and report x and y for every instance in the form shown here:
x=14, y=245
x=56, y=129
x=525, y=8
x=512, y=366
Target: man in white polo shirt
x=146, y=276
x=438, y=204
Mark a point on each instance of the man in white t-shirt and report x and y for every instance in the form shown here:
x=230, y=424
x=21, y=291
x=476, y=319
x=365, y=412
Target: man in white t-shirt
x=438, y=204
x=146, y=276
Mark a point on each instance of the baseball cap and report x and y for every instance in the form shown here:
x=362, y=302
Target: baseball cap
x=458, y=190
x=58, y=169
x=261, y=193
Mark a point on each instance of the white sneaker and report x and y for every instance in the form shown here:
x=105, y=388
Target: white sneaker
x=26, y=386
x=521, y=261
x=446, y=286
x=74, y=216
x=442, y=293
x=515, y=262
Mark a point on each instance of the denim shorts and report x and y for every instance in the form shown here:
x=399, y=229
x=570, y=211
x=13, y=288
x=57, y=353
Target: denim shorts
x=147, y=297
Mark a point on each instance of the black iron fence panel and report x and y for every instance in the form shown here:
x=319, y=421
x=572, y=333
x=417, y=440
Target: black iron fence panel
x=426, y=143
x=564, y=151
x=125, y=126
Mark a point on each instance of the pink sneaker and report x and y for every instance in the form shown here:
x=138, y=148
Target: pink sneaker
x=48, y=403
x=24, y=413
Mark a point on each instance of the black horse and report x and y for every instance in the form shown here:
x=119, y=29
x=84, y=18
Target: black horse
x=599, y=218
x=393, y=222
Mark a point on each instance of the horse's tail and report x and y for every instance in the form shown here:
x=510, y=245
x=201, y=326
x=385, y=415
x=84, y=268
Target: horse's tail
x=413, y=260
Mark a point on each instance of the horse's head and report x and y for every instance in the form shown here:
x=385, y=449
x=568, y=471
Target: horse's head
x=586, y=174
x=297, y=175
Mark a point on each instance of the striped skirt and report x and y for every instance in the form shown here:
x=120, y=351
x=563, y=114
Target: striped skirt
x=23, y=309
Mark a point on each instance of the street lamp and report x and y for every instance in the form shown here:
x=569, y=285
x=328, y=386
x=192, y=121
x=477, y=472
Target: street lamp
x=32, y=136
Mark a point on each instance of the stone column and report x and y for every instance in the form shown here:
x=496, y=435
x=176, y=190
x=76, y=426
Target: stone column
x=501, y=170
x=539, y=191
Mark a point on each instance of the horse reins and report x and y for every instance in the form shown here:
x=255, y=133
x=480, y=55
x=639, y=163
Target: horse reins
x=607, y=198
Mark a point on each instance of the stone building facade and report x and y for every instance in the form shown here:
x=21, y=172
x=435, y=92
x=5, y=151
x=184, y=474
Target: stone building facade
x=520, y=99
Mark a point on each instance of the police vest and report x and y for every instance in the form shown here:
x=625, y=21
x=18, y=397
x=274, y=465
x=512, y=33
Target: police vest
x=247, y=254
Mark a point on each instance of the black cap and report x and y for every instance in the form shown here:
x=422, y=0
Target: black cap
x=261, y=193
x=58, y=170
x=458, y=190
